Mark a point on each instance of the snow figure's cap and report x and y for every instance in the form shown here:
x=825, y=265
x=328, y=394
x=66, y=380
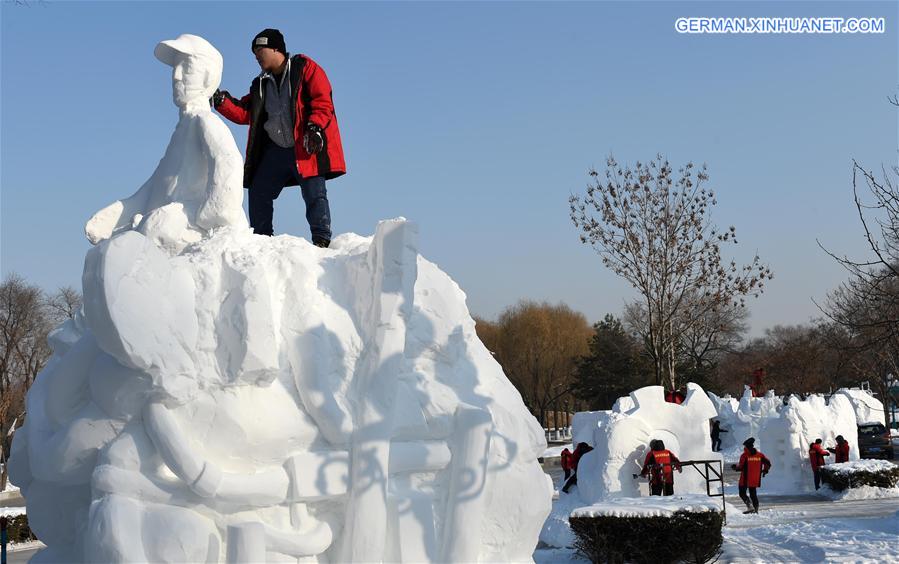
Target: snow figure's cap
x=191, y=45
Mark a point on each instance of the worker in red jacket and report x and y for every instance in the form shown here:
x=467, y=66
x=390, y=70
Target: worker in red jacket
x=580, y=450
x=752, y=466
x=660, y=465
x=816, y=454
x=841, y=451
x=293, y=138
x=567, y=462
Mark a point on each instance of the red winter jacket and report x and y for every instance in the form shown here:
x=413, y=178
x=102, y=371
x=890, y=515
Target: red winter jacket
x=842, y=452
x=660, y=465
x=314, y=104
x=816, y=454
x=567, y=462
x=751, y=466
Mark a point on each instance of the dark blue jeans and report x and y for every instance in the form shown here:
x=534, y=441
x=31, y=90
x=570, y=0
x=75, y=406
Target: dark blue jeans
x=278, y=168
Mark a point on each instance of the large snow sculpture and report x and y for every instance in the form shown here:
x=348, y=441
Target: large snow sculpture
x=621, y=439
x=231, y=397
x=785, y=439
x=784, y=430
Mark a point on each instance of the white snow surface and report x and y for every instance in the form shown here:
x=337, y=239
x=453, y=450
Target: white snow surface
x=864, y=465
x=859, y=493
x=868, y=409
x=228, y=397
x=12, y=511
x=653, y=506
x=814, y=540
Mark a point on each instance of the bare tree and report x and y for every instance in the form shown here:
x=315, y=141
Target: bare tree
x=703, y=339
x=64, y=304
x=866, y=306
x=27, y=316
x=538, y=346
x=654, y=230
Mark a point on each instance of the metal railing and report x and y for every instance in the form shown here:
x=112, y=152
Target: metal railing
x=712, y=471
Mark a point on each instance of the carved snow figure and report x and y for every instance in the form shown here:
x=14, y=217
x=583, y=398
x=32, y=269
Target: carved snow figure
x=229, y=397
x=197, y=185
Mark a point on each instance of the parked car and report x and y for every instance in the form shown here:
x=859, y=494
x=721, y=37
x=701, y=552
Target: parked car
x=874, y=441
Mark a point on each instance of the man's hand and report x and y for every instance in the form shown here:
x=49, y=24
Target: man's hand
x=733, y=466
x=218, y=98
x=312, y=139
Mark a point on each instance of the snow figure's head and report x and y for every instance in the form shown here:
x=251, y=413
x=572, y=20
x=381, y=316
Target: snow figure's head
x=196, y=67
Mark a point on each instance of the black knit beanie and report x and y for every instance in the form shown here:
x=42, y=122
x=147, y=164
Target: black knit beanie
x=270, y=38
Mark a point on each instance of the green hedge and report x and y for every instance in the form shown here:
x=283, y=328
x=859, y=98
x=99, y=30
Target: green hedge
x=17, y=529
x=682, y=537
x=839, y=481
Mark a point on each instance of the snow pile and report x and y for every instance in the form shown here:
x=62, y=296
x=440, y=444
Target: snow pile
x=861, y=466
x=556, y=530
x=868, y=409
x=12, y=511
x=859, y=493
x=231, y=397
x=654, y=506
x=621, y=440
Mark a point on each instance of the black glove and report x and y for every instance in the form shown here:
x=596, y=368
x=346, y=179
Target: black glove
x=765, y=473
x=733, y=466
x=312, y=139
x=218, y=98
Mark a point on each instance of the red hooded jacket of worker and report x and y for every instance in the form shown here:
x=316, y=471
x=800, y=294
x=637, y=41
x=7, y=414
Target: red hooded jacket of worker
x=662, y=459
x=579, y=451
x=816, y=454
x=567, y=460
x=751, y=467
x=314, y=104
x=842, y=452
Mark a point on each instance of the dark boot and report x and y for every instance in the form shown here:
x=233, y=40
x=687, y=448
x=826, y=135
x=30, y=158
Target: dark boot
x=321, y=242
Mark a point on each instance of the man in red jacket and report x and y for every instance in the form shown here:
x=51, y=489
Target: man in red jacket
x=567, y=462
x=580, y=450
x=293, y=136
x=660, y=465
x=752, y=466
x=841, y=451
x=816, y=454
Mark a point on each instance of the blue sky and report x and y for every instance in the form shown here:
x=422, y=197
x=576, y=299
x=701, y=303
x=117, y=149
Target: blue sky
x=476, y=120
